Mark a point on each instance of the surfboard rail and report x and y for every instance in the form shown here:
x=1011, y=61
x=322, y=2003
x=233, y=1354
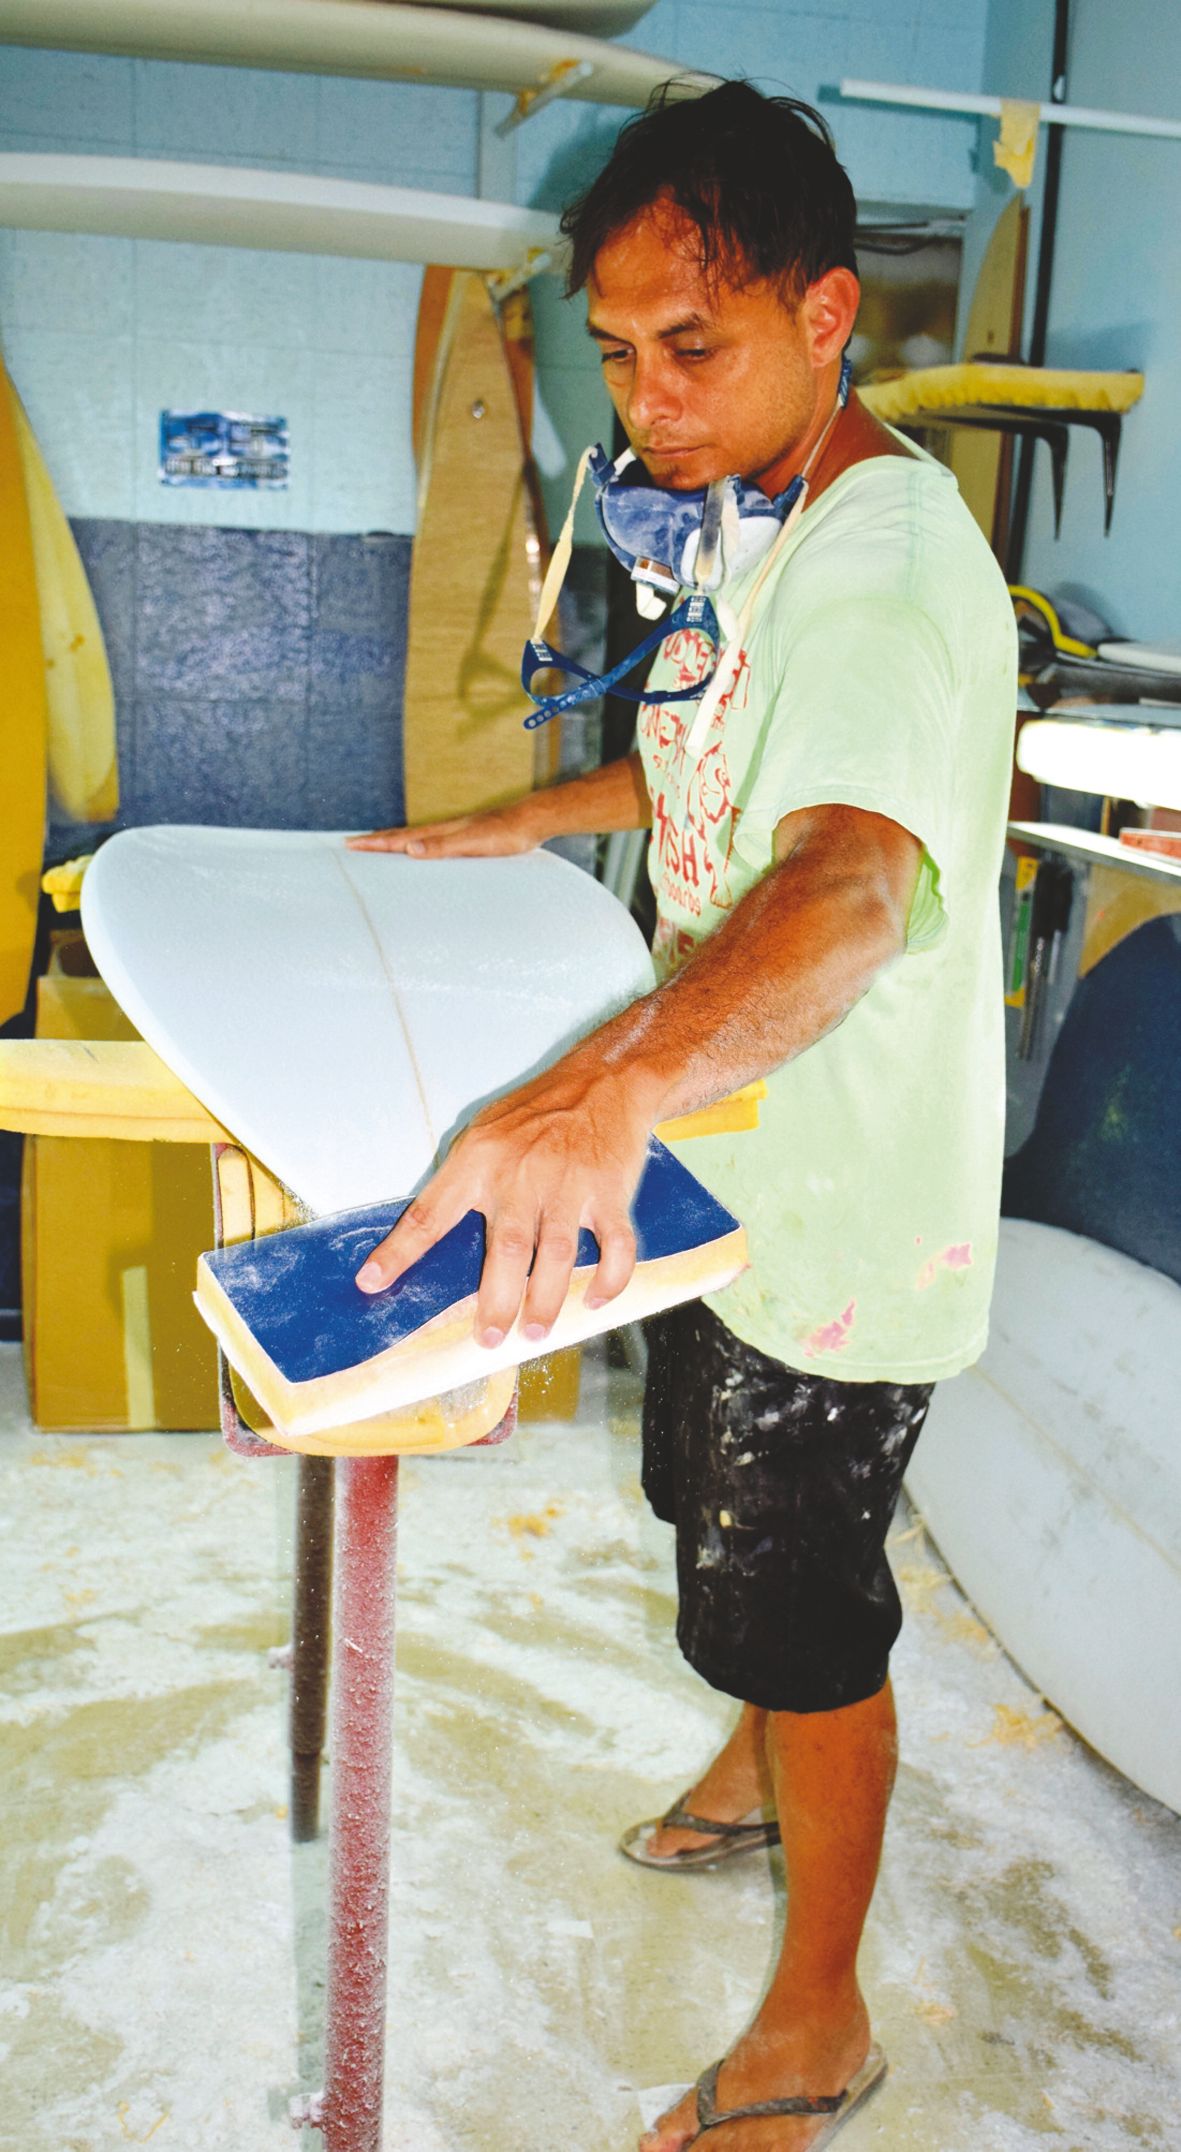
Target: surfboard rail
x=391, y=42
x=287, y=212
x=1048, y=1479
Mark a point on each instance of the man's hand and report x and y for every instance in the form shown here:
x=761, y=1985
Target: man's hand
x=612, y=797
x=565, y=1151
x=497, y=833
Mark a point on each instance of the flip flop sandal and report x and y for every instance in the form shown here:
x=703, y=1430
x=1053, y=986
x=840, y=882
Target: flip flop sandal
x=731, y=1839
x=838, y=2109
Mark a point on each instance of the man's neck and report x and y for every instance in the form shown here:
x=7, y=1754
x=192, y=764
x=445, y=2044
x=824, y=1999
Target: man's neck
x=856, y=437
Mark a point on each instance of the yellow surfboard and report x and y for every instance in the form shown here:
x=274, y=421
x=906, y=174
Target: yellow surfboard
x=80, y=701
x=22, y=728
x=983, y=462
x=476, y=566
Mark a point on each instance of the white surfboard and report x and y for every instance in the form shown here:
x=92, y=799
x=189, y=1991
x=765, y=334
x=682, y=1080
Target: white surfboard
x=1156, y=657
x=1050, y=1478
x=1140, y=762
x=432, y=43
x=288, y=212
x=599, y=18
x=342, y=1013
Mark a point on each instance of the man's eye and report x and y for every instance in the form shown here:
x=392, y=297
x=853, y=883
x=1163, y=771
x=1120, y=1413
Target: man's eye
x=613, y=358
x=694, y=351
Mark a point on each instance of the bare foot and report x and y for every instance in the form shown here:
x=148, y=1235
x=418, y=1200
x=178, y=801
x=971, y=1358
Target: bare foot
x=733, y=1790
x=813, y=2060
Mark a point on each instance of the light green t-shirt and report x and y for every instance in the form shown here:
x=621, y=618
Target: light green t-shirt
x=879, y=672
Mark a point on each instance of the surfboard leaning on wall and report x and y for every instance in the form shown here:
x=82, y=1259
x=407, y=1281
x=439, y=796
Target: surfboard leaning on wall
x=22, y=725
x=478, y=553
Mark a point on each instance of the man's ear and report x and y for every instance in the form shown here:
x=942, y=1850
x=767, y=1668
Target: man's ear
x=830, y=309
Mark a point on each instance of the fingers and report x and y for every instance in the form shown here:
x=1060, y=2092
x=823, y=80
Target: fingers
x=527, y=1269
x=549, y=1282
x=617, y=1257
x=536, y=1266
x=506, y=1270
x=418, y=1228
x=526, y=1168
x=418, y=841
x=494, y=835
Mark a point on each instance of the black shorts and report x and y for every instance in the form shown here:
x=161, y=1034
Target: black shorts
x=781, y=1487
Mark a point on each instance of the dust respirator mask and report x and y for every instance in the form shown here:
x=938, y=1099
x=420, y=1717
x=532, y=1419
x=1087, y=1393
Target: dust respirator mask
x=669, y=543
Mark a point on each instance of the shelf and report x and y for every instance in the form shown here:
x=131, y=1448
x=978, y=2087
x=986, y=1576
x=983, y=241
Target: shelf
x=1083, y=844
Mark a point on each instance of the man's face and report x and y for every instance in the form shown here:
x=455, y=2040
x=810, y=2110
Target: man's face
x=707, y=378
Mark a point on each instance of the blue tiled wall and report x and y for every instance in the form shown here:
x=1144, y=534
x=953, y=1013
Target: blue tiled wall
x=258, y=674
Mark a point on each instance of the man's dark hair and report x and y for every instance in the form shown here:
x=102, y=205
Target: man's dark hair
x=759, y=177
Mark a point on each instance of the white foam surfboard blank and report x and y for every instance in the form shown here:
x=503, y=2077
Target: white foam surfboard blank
x=342, y=1013
x=1050, y=1478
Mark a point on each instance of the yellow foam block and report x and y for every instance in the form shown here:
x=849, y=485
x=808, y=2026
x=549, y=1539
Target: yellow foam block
x=948, y=388
x=63, y=884
x=727, y=1116
x=98, y=1087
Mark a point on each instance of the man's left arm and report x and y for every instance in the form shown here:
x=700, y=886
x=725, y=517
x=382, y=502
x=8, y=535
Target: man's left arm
x=567, y=1149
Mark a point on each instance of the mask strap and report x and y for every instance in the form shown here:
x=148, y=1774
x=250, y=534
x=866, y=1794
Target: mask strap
x=726, y=669
x=555, y=574
x=707, y=566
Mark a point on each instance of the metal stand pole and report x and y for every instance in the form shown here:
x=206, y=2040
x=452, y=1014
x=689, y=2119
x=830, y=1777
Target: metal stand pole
x=311, y=1635
x=349, y=2108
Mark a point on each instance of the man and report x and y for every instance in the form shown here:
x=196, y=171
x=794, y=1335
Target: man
x=825, y=871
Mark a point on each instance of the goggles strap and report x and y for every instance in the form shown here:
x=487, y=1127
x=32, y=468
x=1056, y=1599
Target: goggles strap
x=696, y=611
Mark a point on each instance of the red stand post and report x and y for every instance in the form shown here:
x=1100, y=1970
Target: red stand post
x=349, y=2108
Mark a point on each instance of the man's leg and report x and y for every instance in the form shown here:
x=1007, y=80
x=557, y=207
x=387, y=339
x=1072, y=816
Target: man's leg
x=781, y=1487
x=833, y=1772
x=735, y=1785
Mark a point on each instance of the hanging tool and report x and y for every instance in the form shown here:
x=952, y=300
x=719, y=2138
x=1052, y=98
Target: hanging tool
x=1053, y=892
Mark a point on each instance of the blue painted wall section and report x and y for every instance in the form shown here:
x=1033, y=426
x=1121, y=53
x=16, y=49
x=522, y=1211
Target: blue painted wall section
x=258, y=674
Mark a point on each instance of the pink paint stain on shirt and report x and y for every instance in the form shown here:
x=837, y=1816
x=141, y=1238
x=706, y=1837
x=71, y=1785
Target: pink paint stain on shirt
x=957, y=1257
x=831, y=1337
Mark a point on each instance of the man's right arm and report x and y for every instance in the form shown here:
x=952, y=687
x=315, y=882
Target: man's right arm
x=610, y=798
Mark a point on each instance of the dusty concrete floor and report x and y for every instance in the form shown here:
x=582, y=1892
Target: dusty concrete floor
x=161, y=1969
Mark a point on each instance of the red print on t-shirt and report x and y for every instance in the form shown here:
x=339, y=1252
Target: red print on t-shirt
x=692, y=802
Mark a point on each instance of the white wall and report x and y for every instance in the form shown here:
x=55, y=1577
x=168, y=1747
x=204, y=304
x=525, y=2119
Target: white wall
x=102, y=334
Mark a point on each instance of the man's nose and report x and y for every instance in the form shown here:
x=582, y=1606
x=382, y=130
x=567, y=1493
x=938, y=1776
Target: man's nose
x=653, y=396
